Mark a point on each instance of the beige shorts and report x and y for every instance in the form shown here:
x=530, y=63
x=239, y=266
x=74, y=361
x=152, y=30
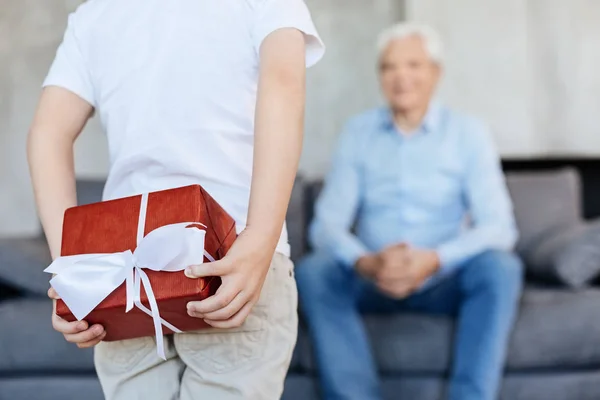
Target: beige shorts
x=249, y=362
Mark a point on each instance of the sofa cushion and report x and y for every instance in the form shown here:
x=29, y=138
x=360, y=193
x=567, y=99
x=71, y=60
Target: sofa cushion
x=555, y=328
x=401, y=343
x=51, y=387
x=29, y=343
x=569, y=255
x=302, y=351
x=302, y=387
x=424, y=345
x=555, y=385
x=22, y=264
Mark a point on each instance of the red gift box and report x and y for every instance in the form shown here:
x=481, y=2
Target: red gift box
x=112, y=227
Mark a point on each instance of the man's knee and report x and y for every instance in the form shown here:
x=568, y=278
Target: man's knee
x=498, y=272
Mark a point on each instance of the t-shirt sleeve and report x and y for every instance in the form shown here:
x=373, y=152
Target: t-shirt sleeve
x=69, y=69
x=276, y=14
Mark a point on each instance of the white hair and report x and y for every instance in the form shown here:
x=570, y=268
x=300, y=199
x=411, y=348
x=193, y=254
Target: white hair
x=432, y=40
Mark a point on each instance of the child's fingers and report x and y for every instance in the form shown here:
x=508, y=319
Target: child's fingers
x=52, y=294
x=92, y=343
x=86, y=336
x=67, y=327
x=235, y=321
x=225, y=295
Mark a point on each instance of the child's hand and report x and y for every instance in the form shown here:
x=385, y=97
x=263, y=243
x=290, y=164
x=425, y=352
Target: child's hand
x=242, y=271
x=76, y=332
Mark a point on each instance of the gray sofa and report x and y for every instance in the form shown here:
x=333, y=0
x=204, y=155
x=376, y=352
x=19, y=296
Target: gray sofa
x=554, y=351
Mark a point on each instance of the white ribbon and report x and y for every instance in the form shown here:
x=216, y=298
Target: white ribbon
x=84, y=281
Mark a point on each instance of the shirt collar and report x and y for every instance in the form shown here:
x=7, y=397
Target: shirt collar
x=429, y=125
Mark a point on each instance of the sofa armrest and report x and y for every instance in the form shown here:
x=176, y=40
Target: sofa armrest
x=22, y=264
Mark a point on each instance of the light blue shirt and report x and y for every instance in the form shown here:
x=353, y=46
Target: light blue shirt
x=439, y=188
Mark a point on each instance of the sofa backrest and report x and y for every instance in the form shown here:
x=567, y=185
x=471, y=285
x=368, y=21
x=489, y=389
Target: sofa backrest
x=542, y=201
x=89, y=191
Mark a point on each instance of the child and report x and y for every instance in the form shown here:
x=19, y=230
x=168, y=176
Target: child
x=189, y=92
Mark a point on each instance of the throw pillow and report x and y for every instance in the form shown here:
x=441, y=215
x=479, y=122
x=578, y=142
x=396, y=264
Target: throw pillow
x=567, y=255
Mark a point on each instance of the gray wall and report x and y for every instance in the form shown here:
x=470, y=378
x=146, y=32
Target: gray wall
x=30, y=31
x=342, y=84
x=529, y=67
x=345, y=81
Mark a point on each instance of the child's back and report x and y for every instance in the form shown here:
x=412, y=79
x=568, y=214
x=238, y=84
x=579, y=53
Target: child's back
x=174, y=83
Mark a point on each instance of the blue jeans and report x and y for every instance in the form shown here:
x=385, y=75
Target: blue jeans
x=483, y=295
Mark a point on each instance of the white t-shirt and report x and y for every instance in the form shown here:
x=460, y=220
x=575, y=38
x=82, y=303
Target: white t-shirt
x=174, y=83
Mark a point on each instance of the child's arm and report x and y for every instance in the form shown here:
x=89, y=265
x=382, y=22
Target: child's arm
x=59, y=119
x=277, y=148
x=279, y=131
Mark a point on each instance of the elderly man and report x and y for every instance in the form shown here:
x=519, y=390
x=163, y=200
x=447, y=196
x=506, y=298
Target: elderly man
x=433, y=231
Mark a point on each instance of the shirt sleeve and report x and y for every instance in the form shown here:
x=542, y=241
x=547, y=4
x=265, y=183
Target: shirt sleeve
x=277, y=14
x=69, y=69
x=488, y=201
x=336, y=209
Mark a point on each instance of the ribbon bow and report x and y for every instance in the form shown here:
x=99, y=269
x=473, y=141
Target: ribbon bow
x=84, y=281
